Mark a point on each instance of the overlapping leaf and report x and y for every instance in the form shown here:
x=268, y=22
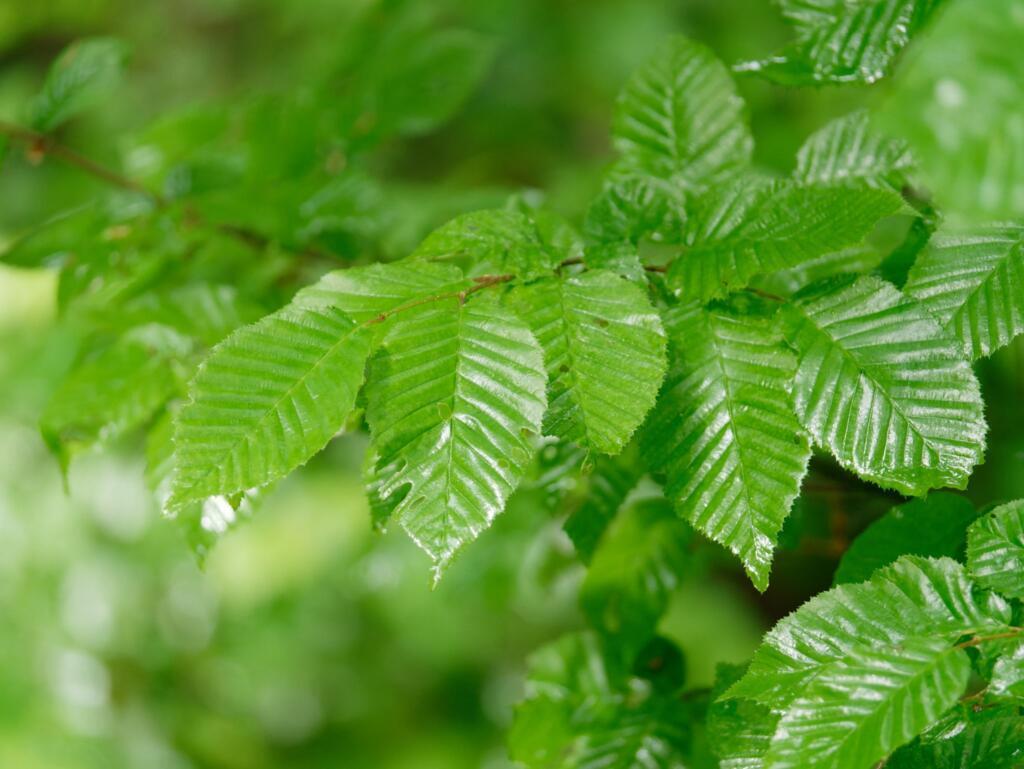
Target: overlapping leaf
x=849, y=150
x=452, y=401
x=992, y=738
x=883, y=388
x=935, y=526
x=915, y=597
x=755, y=227
x=604, y=350
x=844, y=41
x=995, y=549
x=973, y=282
x=724, y=432
x=84, y=73
x=680, y=120
x=608, y=483
x=740, y=731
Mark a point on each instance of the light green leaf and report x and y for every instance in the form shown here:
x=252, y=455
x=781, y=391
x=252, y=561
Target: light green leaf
x=110, y=394
x=883, y=388
x=915, y=597
x=986, y=739
x=756, y=227
x=452, y=401
x=609, y=482
x=267, y=399
x=496, y=241
x=639, y=563
x=973, y=282
x=87, y=71
x=935, y=526
x=1008, y=676
x=52, y=241
x=844, y=41
x=859, y=709
x=680, y=120
x=724, y=432
x=995, y=549
x=604, y=350
x=848, y=150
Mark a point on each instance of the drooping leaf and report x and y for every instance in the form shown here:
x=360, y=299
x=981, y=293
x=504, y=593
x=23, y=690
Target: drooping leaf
x=986, y=739
x=267, y=399
x=935, y=526
x=755, y=227
x=724, y=432
x=452, y=400
x=680, y=120
x=973, y=282
x=864, y=706
x=497, y=241
x=604, y=350
x=995, y=549
x=639, y=563
x=844, y=41
x=112, y=393
x=582, y=711
x=82, y=75
x=913, y=598
x=849, y=150
x=608, y=483
x=883, y=388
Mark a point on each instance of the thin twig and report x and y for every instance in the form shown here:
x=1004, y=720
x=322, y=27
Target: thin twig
x=480, y=283
x=1013, y=633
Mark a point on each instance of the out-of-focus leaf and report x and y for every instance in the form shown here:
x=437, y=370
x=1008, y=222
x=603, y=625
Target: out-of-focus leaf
x=609, y=482
x=740, y=731
x=86, y=72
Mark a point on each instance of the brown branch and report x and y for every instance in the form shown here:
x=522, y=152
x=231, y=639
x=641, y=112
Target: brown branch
x=977, y=640
x=480, y=283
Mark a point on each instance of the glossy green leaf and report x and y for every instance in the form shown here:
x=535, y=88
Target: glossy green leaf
x=862, y=707
x=849, y=150
x=740, y=731
x=755, y=227
x=973, y=282
x=987, y=739
x=680, y=120
x=935, y=526
x=87, y=71
x=995, y=549
x=1007, y=682
x=452, y=401
x=883, y=388
x=604, y=350
x=724, y=432
x=267, y=399
x=913, y=598
x=844, y=41
x=639, y=563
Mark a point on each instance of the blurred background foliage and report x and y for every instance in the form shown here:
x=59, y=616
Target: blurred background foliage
x=306, y=639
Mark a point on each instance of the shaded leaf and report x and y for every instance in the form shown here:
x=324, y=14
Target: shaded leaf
x=609, y=482
x=87, y=71
x=988, y=739
x=995, y=549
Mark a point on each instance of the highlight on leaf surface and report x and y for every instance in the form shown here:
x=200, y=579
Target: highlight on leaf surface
x=995, y=549
x=724, y=433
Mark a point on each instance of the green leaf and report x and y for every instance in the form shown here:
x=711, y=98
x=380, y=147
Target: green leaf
x=995, y=549
x=935, y=526
x=861, y=708
x=496, y=241
x=844, y=41
x=883, y=388
x=914, y=597
x=848, y=150
x=604, y=350
x=86, y=72
x=51, y=242
x=724, y=433
x=609, y=482
x=637, y=566
x=1007, y=682
x=267, y=399
x=987, y=739
x=680, y=120
x=740, y=731
x=452, y=401
x=582, y=711
x=973, y=282
x=110, y=394
x=756, y=227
